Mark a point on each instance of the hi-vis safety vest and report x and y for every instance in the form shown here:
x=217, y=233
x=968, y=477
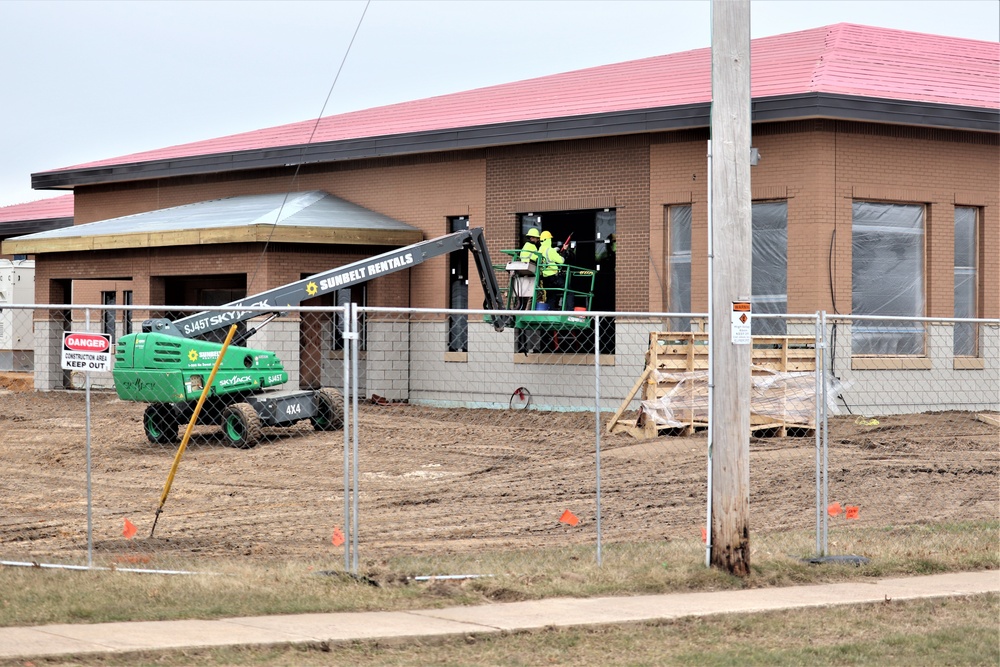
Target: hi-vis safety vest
x=552, y=259
x=527, y=252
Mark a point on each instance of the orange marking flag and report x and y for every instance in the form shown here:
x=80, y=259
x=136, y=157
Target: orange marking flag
x=130, y=529
x=704, y=534
x=338, y=537
x=852, y=511
x=833, y=509
x=569, y=517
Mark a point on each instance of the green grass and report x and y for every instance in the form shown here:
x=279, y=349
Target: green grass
x=33, y=596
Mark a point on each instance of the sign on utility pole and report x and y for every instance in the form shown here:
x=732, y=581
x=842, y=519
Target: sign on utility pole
x=730, y=286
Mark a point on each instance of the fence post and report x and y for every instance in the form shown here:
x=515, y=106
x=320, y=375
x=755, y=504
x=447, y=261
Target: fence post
x=825, y=446
x=90, y=503
x=820, y=346
x=348, y=420
x=355, y=351
x=597, y=426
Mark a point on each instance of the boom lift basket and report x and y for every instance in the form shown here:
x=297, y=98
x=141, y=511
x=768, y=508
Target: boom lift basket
x=524, y=291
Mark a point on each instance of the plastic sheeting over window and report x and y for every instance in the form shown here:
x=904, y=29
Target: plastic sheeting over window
x=965, y=280
x=769, y=266
x=887, y=277
x=679, y=265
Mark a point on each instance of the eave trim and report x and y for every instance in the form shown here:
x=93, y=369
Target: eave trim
x=247, y=234
x=780, y=108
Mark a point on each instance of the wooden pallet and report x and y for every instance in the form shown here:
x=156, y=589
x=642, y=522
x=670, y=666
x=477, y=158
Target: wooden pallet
x=675, y=362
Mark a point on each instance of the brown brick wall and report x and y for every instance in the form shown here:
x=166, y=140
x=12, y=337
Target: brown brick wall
x=421, y=191
x=678, y=175
x=577, y=174
x=820, y=167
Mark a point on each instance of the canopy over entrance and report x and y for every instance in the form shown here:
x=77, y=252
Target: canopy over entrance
x=299, y=217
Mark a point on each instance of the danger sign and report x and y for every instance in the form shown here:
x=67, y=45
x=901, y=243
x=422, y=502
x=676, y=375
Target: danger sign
x=85, y=351
x=740, y=329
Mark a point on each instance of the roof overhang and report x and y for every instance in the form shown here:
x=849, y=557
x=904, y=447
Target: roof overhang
x=781, y=108
x=21, y=227
x=304, y=217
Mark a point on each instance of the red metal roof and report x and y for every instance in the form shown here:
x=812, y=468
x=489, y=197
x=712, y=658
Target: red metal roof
x=43, y=209
x=843, y=59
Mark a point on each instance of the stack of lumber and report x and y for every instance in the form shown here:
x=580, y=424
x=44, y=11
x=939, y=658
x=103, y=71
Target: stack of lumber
x=673, y=388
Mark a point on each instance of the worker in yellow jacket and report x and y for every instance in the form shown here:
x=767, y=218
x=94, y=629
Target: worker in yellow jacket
x=553, y=274
x=530, y=246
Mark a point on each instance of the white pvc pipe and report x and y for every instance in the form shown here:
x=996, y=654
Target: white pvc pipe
x=55, y=566
x=711, y=367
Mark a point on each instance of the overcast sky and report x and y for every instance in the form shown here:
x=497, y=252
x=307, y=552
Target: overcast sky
x=84, y=81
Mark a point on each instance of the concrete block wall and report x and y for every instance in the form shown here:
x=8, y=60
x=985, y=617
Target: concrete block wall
x=492, y=370
x=387, y=359
x=49, y=374
x=941, y=386
x=281, y=336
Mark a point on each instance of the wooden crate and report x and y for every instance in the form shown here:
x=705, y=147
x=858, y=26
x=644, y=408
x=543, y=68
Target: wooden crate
x=677, y=366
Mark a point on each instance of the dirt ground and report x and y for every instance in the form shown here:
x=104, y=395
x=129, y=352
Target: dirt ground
x=446, y=481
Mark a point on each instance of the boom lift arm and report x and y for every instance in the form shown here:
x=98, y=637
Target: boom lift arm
x=293, y=294
x=166, y=364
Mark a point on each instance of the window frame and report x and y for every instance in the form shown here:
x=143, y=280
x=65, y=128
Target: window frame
x=921, y=328
x=976, y=277
x=779, y=326
x=127, y=314
x=670, y=260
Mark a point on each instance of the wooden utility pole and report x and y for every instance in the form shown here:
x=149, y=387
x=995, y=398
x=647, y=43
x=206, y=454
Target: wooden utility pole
x=730, y=288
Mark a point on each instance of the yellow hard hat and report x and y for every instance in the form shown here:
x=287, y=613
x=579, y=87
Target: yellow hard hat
x=532, y=232
x=546, y=235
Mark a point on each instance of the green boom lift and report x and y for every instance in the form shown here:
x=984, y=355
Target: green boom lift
x=167, y=362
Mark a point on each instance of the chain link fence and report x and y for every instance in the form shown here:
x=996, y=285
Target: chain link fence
x=458, y=442
x=914, y=434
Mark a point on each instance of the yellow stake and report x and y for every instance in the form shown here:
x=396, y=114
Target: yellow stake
x=190, y=426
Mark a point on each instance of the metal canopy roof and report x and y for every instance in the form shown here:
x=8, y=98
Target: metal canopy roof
x=301, y=217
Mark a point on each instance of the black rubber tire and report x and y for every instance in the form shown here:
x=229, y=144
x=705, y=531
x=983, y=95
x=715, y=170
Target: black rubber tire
x=241, y=426
x=329, y=410
x=160, y=424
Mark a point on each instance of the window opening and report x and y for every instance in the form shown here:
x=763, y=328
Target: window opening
x=458, y=291
x=127, y=314
x=108, y=316
x=887, y=277
x=593, y=247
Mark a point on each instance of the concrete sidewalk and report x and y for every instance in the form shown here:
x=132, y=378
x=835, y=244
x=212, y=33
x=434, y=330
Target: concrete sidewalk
x=56, y=640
